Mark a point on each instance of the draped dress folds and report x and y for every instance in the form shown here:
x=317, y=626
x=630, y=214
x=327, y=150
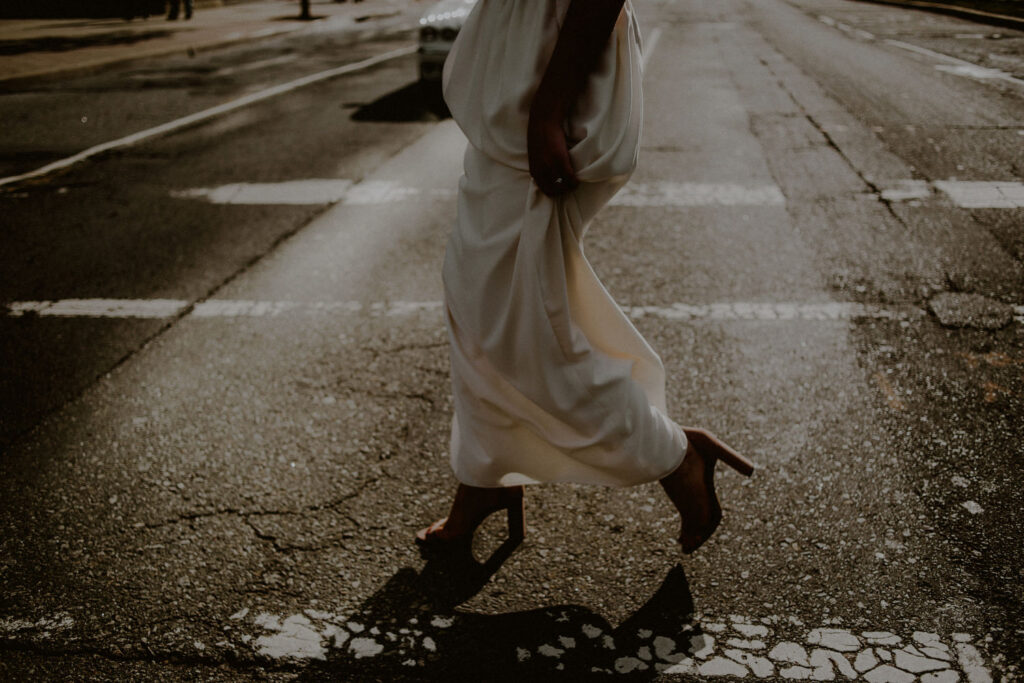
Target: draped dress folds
x=551, y=381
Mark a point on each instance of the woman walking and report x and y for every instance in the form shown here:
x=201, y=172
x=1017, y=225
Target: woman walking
x=551, y=381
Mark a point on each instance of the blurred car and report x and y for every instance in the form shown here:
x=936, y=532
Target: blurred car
x=439, y=27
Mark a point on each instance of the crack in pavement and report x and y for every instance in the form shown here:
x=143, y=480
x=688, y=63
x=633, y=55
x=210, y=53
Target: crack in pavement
x=246, y=514
x=831, y=142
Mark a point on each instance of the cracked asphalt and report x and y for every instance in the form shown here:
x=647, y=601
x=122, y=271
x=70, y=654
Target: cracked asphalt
x=228, y=490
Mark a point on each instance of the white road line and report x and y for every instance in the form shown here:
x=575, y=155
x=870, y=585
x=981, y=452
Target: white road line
x=206, y=114
x=975, y=71
x=99, y=308
x=963, y=193
x=313, y=191
x=928, y=53
x=40, y=629
x=329, y=191
x=984, y=194
x=697, y=194
x=222, y=308
x=252, y=66
x=776, y=311
x=227, y=308
x=651, y=43
x=955, y=65
x=967, y=194
x=165, y=308
x=234, y=308
x=846, y=28
x=903, y=190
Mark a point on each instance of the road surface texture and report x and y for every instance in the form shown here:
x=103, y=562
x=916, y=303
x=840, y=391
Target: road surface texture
x=225, y=400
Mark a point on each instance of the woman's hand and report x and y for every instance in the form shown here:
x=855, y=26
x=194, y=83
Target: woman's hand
x=584, y=34
x=548, y=151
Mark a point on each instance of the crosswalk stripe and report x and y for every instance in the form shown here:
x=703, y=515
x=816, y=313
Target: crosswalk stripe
x=99, y=308
x=234, y=308
x=315, y=191
x=697, y=194
x=983, y=194
x=330, y=191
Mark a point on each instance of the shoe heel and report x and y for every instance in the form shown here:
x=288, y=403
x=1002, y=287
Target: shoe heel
x=720, y=450
x=736, y=461
x=516, y=520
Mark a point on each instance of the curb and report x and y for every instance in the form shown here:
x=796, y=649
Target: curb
x=975, y=15
x=352, y=33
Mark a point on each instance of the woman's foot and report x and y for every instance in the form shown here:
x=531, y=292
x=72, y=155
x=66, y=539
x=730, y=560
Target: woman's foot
x=691, y=487
x=472, y=505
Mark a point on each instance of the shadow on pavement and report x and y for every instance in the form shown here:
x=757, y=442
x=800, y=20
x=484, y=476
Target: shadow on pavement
x=418, y=101
x=66, y=43
x=558, y=643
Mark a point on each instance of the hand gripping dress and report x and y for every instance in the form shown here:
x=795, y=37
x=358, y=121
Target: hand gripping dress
x=551, y=381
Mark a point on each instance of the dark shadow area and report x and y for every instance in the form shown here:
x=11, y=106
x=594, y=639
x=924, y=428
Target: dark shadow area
x=65, y=43
x=419, y=636
x=297, y=17
x=67, y=9
x=418, y=101
x=379, y=15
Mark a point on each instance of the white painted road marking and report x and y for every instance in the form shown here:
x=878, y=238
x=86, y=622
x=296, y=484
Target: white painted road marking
x=903, y=190
x=833, y=310
x=967, y=194
x=983, y=194
x=253, y=66
x=232, y=308
x=963, y=193
x=953, y=65
x=312, y=191
x=42, y=628
x=957, y=66
x=738, y=646
x=975, y=71
x=846, y=28
x=329, y=191
x=697, y=194
x=207, y=114
x=99, y=308
x=928, y=53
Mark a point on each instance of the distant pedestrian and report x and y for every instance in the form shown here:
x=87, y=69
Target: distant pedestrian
x=175, y=6
x=551, y=381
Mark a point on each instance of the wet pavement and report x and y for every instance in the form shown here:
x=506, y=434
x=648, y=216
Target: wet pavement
x=227, y=407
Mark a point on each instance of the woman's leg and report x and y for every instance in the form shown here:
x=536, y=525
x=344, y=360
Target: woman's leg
x=691, y=486
x=470, y=507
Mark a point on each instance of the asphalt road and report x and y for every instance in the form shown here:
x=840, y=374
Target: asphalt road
x=225, y=399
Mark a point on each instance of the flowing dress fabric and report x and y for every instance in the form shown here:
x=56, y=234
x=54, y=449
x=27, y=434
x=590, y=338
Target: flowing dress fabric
x=551, y=381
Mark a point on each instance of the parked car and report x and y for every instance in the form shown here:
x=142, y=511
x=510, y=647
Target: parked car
x=439, y=27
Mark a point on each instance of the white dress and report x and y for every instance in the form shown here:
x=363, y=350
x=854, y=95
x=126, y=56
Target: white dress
x=551, y=381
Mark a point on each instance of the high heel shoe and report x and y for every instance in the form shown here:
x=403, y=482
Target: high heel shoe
x=509, y=499
x=710, y=450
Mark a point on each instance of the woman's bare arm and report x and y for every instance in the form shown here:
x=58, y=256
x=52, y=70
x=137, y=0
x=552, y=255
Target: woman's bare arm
x=584, y=35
